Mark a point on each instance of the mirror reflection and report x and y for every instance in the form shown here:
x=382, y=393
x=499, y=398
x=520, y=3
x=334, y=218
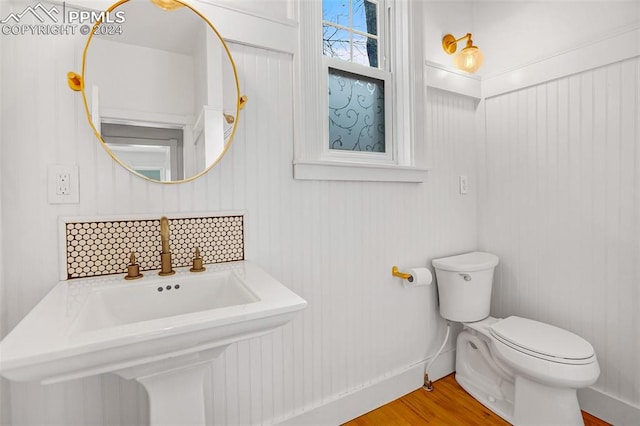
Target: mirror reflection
x=162, y=92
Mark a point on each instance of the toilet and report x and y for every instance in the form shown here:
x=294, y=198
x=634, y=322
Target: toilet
x=525, y=371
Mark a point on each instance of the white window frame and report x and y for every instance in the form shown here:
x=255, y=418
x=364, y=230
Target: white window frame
x=406, y=153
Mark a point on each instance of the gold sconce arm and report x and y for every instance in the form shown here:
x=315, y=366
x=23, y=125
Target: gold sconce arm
x=450, y=43
x=396, y=273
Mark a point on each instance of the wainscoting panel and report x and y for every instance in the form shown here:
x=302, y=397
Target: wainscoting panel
x=560, y=205
x=334, y=243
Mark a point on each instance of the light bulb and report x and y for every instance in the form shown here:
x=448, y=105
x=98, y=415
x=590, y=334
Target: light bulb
x=469, y=59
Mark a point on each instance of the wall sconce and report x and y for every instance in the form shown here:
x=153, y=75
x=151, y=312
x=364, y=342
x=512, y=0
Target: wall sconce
x=468, y=59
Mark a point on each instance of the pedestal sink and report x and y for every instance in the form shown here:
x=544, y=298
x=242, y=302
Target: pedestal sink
x=161, y=331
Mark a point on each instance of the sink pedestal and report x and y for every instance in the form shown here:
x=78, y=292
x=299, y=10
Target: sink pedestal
x=175, y=387
x=177, y=397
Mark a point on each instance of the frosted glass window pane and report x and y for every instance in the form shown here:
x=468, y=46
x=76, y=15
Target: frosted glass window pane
x=356, y=112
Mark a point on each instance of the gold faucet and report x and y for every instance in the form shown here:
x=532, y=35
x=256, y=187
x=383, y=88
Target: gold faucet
x=165, y=256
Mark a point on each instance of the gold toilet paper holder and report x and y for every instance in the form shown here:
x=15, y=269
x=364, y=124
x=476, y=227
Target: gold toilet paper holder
x=396, y=273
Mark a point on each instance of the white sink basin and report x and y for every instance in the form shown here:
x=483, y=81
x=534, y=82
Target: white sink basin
x=85, y=327
x=115, y=305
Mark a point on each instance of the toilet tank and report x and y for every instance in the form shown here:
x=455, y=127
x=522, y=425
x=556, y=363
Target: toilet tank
x=464, y=285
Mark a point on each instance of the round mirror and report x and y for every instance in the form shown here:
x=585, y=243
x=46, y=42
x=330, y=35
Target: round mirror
x=160, y=89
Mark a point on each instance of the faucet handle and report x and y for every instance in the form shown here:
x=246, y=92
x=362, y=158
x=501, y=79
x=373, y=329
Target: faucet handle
x=133, y=269
x=197, y=262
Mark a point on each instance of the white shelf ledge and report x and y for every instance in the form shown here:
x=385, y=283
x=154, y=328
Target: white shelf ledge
x=347, y=171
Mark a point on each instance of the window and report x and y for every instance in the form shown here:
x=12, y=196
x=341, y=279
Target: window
x=350, y=31
x=356, y=91
x=353, y=46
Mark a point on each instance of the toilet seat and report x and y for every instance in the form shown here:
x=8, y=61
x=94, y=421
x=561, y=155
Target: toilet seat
x=542, y=341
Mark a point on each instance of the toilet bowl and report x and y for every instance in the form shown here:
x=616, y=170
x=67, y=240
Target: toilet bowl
x=525, y=371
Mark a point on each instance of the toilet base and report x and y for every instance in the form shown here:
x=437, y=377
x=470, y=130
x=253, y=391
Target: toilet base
x=538, y=404
x=477, y=374
x=501, y=407
x=517, y=399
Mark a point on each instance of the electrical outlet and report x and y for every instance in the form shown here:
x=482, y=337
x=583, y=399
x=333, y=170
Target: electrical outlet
x=464, y=184
x=62, y=184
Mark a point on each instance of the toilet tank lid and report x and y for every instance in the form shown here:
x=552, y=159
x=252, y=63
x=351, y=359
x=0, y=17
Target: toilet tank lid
x=468, y=262
x=541, y=338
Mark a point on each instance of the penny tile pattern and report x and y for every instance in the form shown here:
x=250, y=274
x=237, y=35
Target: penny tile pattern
x=103, y=247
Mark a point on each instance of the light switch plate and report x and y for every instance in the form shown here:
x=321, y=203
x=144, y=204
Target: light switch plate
x=63, y=184
x=464, y=184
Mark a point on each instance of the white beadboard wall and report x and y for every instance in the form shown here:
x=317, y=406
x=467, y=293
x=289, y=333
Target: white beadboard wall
x=559, y=203
x=331, y=242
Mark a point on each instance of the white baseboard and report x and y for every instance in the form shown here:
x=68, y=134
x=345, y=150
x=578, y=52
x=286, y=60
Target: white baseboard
x=384, y=390
x=608, y=408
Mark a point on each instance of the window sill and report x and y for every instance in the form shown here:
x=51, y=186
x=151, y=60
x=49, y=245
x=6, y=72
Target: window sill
x=347, y=171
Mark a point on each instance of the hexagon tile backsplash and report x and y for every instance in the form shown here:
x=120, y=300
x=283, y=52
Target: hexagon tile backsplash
x=102, y=246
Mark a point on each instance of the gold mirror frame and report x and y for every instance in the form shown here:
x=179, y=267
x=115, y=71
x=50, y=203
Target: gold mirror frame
x=76, y=83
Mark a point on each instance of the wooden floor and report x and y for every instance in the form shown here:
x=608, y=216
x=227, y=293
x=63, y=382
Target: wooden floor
x=447, y=404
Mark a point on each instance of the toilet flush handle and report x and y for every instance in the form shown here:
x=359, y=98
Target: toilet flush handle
x=466, y=277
